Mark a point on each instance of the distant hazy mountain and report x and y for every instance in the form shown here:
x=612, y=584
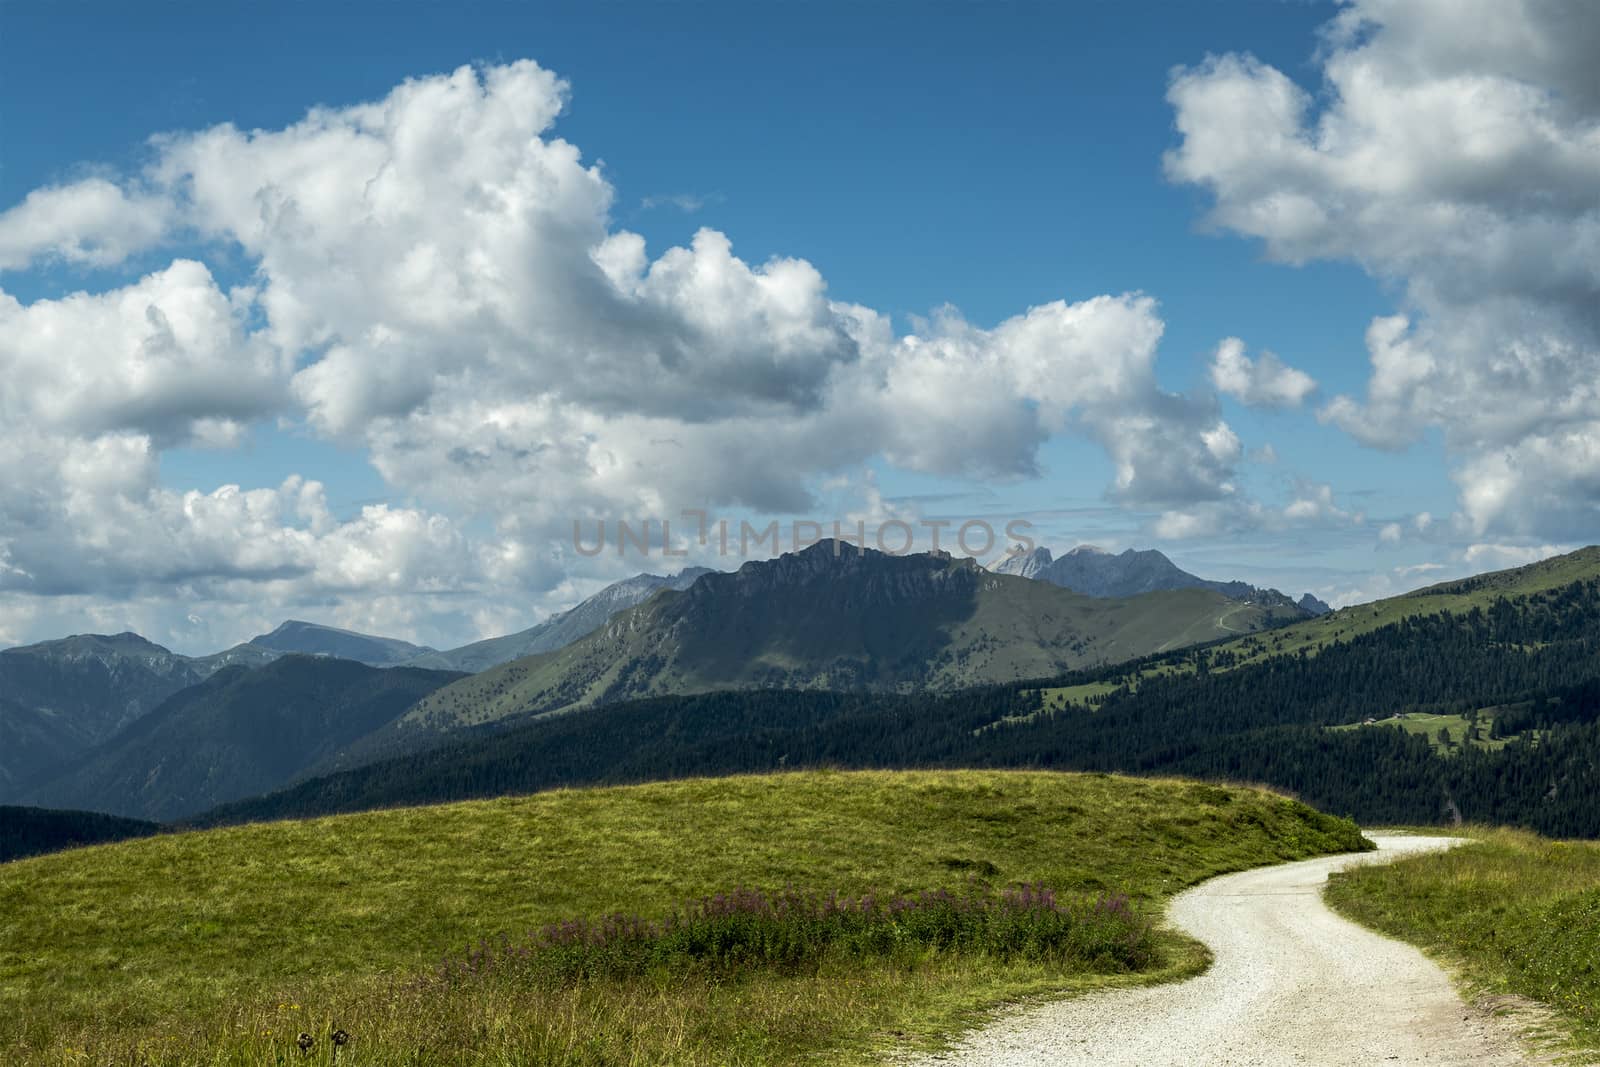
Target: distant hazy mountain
x=246, y=655
x=58, y=698
x=238, y=733
x=1095, y=572
x=314, y=639
x=1312, y=606
x=849, y=621
x=559, y=630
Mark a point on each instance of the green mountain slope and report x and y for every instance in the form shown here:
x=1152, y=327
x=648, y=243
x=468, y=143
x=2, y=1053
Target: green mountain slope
x=238, y=733
x=854, y=620
x=1454, y=597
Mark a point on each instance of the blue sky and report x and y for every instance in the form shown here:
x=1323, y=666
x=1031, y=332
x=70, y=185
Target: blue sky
x=990, y=157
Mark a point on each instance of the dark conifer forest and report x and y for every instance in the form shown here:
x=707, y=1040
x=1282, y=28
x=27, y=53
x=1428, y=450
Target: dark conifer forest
x=34, y=831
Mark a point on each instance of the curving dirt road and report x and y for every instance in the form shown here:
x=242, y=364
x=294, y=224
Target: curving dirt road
x=1293, y=984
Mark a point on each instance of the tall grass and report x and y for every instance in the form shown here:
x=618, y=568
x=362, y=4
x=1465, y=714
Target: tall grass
x=624, y=989
x=1519, y=913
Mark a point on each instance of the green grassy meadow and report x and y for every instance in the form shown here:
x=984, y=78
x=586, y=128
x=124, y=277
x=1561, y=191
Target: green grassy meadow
x=1515, y=912
x=1061, y=697
x=218, y=947
x=1458, y=730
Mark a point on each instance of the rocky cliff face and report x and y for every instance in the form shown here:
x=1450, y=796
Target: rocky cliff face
x=850, y=575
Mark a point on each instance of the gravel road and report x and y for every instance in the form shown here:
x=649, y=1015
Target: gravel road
x=1293, y=983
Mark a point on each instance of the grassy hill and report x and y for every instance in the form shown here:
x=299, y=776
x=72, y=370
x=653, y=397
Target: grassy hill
x=220, y=946
x=1517, y=913
x=853, y=621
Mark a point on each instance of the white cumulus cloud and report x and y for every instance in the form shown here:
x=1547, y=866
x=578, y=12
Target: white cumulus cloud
x=1266, y=382
x=436, y=280
x=168, y=355
x=94, y=222
x=1453, y=149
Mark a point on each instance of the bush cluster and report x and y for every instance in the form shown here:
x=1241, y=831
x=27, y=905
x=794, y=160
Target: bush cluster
x=794, y=930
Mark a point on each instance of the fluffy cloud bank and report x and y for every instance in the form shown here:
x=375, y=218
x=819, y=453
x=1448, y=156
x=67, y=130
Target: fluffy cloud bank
x=435, y=280
x=1453, y=149
x=168, y=356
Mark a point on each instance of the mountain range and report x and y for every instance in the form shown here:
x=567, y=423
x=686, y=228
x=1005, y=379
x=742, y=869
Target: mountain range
x=837, y=617
x=60, y=699
x=1094, y=572
x=153, y=734
x=844, y=656
x=118, y=724
x=1507, y=659
x=562, y=628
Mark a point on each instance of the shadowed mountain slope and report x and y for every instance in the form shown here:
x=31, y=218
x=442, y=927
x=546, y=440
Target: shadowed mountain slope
x=59, y=698
x=238, y=733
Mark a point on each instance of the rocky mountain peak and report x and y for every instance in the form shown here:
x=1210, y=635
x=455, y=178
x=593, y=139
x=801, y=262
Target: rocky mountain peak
x=1023, y=562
